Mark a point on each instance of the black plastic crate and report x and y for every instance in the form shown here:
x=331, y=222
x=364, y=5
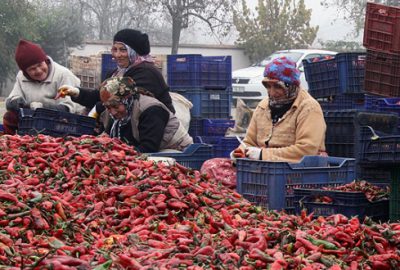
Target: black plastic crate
x=343, y=135
x=54, y=123
x=344, y=74
x=374, y=174
x=395, y=195
x=343, y=202
x=342, y=102
x=379, y=148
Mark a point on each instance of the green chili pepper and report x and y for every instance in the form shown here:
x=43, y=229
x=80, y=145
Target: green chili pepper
x=104, y=266
x=318, y=242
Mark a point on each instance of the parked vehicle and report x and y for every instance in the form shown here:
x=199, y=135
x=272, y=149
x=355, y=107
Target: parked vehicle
x=246, y=83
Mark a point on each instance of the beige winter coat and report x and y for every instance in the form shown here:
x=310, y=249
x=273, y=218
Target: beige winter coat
x=300, y=132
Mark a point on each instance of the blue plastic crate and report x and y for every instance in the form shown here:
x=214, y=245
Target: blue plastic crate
x=342, y=102
x=322, y=77
x=351, y=67
x=193, y=156
x=379, y=148
x=196, y=127
x=222, y=146
x=107, y=65
x=344, y=202
x=54, y=123
x=381, y=104
x=216, y=127
x=343, y=74
x=209, y=103
x=197, y=71
x=271, y=184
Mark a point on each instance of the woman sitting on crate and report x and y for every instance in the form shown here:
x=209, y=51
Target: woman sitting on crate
x=130, y=50
x=137, y=118
x=36, y=84
x=286, y=125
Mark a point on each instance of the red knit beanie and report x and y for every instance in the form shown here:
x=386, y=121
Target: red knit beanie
x=28, y=54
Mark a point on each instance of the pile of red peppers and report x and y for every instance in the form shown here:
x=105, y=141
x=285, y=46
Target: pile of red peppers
x=95, y=203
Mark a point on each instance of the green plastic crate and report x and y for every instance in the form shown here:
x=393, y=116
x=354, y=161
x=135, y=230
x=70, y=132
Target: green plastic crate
x=394, y=207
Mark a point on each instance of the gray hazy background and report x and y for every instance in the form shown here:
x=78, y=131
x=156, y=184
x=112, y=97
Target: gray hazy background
x=331, y=26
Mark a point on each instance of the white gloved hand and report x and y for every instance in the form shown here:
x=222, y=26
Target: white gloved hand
x=35, y=105
x=253, y=153
x=93, y=113
x=67, y=90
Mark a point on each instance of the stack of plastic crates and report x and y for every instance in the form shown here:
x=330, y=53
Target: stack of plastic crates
x=383, y=150
x=382, y=40
x=382, y=80
x=207, y=82
x=271, y=184
x=343, y=138
x=337, y=82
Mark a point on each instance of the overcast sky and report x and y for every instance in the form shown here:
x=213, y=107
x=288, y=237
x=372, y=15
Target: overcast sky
x=330, y=26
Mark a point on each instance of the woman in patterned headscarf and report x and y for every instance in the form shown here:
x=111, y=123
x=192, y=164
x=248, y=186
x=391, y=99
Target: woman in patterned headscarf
x=289, y=123
x=131, y=51
x=285, y=126
x=139, y=119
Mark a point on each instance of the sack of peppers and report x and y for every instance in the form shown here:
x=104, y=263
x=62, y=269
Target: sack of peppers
x=94, y=203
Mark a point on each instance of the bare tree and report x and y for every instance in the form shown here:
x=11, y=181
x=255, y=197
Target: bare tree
x=108, y=16
x=354, y=10
x=217, y=14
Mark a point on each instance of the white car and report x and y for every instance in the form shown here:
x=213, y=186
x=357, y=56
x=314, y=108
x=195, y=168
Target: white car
x=246, y=82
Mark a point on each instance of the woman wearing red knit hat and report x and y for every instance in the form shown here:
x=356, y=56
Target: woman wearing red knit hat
x=36, y=84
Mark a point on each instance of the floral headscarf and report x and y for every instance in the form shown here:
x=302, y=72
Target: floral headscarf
x=119, y=90
x=283, y=71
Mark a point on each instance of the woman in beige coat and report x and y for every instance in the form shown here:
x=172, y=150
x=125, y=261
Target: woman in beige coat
x=286, y=125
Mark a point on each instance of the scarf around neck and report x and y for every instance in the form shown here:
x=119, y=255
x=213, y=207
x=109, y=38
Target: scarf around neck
x=115, y=131
x=134, y=60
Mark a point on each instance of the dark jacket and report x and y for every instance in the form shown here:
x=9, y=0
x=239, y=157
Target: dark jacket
x=146, y=75
x=152, y=127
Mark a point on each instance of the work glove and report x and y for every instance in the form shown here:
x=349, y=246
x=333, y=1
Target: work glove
x=93, y=113
x=15, y=103
x=253, y=153
x=35, y=105
x=67, y=90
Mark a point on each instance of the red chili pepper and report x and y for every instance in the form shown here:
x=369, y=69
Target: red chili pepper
x=175, y=204
x=39, y=222
x=174, y=192
x=158, y=244
x=376, y=265
x=307, y=244
x=207, y=250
